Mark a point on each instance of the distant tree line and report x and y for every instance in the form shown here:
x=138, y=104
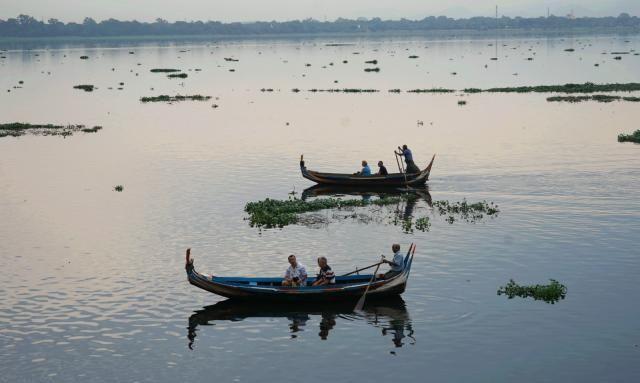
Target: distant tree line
x=27, y=26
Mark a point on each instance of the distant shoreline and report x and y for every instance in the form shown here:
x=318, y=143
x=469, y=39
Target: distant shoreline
x=439, y=33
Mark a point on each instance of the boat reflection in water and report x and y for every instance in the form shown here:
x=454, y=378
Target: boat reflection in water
x=390, y=315
x=404, y=209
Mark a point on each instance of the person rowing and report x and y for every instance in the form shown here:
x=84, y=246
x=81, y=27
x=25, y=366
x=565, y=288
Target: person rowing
x=408, y=159
x=397, y=264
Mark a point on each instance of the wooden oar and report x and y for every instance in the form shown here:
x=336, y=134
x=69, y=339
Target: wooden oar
x=360, y=303
x=364, y=268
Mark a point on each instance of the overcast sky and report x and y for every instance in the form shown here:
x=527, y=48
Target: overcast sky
x=252, y=10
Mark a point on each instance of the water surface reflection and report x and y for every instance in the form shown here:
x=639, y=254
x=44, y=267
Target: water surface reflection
x=390, y=315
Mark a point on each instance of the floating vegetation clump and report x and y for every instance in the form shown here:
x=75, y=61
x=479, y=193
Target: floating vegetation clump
x=432, y=90
x=84, y=57
x=231, y=59
x=634, y=137
x=374, y=62
x=344, y=90
x=372, y=69
x=167, y=98
x=91, y=130
x=569, y=50
x=595, y=97
x=470, y=212
x=413, y=57
x=271, y=213
x=587, y=87
x=551, y=293
x=86, y=88
x=462, y=102
x=118, y=188
x=177, y=75
x=17, y=129
x=164, y=70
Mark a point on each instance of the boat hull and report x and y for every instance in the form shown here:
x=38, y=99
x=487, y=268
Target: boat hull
x=347, y=288
x=356, y=180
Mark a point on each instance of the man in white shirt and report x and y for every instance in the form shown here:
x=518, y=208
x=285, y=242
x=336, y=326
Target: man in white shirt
x=397, y=265
x=296, y=274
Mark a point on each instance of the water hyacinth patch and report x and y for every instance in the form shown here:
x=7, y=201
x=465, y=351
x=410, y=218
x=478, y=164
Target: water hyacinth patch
x=164, y=70
x=271, y=213
x=550, y=293
x=634, y=137
x=17, y=129
x=86, y=88
x=167, y=98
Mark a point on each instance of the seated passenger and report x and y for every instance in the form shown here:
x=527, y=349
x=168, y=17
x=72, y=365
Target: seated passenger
x=382, y=170
x=397, y=265
x=326, y=275
x=366, y=171
x=296, y=274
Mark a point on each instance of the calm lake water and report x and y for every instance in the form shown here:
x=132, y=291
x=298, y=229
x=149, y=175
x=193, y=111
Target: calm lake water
x=93, y=285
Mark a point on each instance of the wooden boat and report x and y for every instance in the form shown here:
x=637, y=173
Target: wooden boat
x=346, y=288
x=390, y=180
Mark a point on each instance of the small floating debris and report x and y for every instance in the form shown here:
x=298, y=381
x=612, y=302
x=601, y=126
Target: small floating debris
x=551, y=293
x=118, y=188
x=462, y=102
x=164, y=70
x=634, y=137
x=167, y=98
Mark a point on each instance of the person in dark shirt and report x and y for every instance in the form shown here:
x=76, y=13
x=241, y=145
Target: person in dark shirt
x=382, y=170
x=326, y=275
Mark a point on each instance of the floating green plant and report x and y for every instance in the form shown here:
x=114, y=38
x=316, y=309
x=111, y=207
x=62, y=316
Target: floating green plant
x=372, y=69
x=551, y=293
x=177, y=75
x=413, y=57
x=344, y=90
x=84, y=57
x=587, y=87
x=462, y=102
x=634, y=137
x=91, y=130
x=167, y=98
x=86, y=88
x=270, y=213
x=16, y=129
x=595, y=97
x=374, y=62
x=432, y=90
x=231, y=59
x=164, y=70
x=118, y=188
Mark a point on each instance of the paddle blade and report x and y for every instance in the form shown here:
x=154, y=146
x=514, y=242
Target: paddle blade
x=360, y=304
